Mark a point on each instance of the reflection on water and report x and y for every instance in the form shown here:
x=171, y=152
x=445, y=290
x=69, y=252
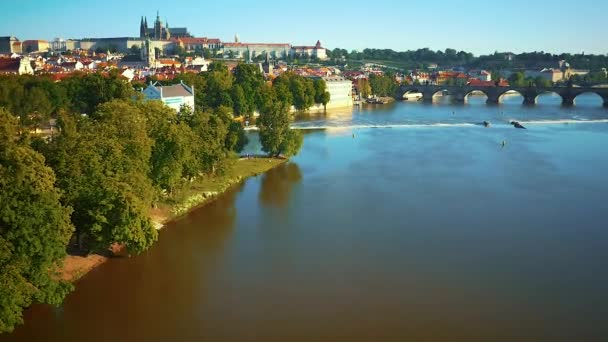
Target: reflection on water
x=277, y=183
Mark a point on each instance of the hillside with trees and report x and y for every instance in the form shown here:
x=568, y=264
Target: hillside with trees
x=423, y=58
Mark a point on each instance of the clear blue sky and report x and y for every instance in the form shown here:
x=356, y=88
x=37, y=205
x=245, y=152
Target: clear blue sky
x=477, y=26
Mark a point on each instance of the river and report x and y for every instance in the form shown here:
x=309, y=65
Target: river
x=401, y=222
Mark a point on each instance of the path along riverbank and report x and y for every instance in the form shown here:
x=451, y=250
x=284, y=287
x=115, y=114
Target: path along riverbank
x=200, y=192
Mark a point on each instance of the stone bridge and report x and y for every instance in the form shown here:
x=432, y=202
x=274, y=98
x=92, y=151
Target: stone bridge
x=495, y=94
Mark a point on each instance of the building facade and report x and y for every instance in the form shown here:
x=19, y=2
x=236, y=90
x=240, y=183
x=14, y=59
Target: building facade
x=198, y=44
x=10, y=45
x=29, y=46
x=340, y=90
x=317, y=51
x=248, y=51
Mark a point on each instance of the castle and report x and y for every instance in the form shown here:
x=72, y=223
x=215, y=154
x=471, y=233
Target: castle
x=160, y=31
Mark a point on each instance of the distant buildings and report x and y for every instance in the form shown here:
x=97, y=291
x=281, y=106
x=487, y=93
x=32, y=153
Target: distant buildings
x=174, y=96
x=198, y=44
x=10, y=45
x=316, y=51
x=30, y=46
x=561, y=72
x=16, y=66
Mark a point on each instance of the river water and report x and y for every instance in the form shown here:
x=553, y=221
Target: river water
x=401, y=222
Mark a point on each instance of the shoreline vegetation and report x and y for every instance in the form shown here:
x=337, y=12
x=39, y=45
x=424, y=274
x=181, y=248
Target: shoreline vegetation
x=116, y=166
x=198, y=194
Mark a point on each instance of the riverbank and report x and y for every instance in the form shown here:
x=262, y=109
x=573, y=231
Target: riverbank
x=198, y=193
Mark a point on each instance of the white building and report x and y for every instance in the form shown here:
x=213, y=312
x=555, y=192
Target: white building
x=483, y=75
x=316, y=51
x=174, y=96
x=340, y=90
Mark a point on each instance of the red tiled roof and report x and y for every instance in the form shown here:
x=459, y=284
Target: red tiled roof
x=247, y=44
x=203, y=40
x=479, y=83
x=9, y=65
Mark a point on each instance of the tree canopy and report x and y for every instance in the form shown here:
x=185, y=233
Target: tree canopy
x=34, y=227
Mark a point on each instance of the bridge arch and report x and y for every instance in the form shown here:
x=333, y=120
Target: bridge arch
x=511, y=96
x=473, y=91
x=549, y=97
x=591, y=98
x=411, y=91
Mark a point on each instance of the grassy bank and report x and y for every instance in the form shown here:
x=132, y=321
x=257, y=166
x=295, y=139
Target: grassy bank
x=196, y=194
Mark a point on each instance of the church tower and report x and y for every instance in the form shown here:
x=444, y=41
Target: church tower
x=158, y=27
x=167, y=34
x=142, y=30
x=148, y=53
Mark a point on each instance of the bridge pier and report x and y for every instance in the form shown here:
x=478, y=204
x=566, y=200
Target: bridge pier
x=493, y=100
x=529, y=100
x=567, y=101
x=427, y=96
x=459, y=97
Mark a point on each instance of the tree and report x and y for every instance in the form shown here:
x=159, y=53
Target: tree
x=275, y=135
x=236, y=138
x=325, y=98
x=219, y=81
x=365, y=90
x=517, y=79
x=240, y=105
x=173, y=149
x=496, y=76
x=210, y=130
x=542, y=82
x=103, y=167
x=382, y=85
x=320, y=88
x=34, y=228
x=87, y=91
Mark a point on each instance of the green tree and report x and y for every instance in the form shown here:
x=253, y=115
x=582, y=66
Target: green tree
x=325, y=98
x=173, y=151
x=240, y=104
x=382, y=85
x=211, y=131
x=275, y=135
x=87, y=91
x=320, y=89
x=542, y=82
x=34, y=228
x=219, y=81
x=236, y=138
x=364, y=87
x=102, y=165
x=517, y=79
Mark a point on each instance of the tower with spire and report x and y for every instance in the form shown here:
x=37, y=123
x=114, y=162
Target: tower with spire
x=160, y=30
